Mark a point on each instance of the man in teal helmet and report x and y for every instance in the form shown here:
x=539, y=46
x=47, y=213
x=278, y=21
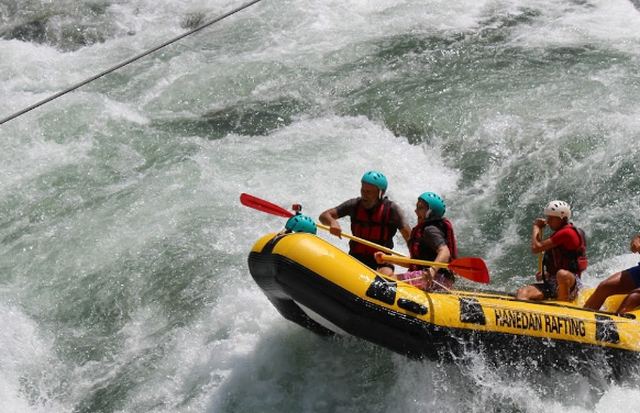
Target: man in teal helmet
x=432, y=239
x=373, y=217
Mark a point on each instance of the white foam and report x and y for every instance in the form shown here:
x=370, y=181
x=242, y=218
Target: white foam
x=318, y=163
x=240, y=346
x=27, y=365
x=618, y=398
x=23, y=160
x=601, y=270
x=599, y=22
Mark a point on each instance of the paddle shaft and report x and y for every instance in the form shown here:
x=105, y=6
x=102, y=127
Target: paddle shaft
x=407, y=260
x=472, y=268
x=540, y=255
x=273, y=209
x=362, y=241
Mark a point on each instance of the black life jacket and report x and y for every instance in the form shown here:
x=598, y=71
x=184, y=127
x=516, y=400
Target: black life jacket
x=559, y=258
x=373, y=225
x=419, y=250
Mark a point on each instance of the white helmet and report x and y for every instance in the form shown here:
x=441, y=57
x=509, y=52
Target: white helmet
x=558, y=209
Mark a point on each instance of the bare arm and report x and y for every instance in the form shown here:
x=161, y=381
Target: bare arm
x=443, y=254
x=330, y=218
x=403, y=227
x=635, y=244
x=406, y=233
x=538, y=246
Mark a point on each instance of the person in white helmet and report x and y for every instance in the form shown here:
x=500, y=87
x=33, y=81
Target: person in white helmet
x=564, y=259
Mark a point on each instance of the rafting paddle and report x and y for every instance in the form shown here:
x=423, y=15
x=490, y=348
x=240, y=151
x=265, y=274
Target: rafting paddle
x=266, y=206
x=472, y=268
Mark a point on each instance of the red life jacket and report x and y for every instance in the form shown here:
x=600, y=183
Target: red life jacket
x=559, y=258
x=419, y=250
x=373, y=225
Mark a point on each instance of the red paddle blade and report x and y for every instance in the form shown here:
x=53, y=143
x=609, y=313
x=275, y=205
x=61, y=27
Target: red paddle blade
x=472, y=268
x=264, y=206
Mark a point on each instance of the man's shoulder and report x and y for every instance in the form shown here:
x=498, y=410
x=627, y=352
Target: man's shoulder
x=351, y=201
x=396, y=212
x=566, y=235
x=392, y=204
x=348, y=205
x=568, y=229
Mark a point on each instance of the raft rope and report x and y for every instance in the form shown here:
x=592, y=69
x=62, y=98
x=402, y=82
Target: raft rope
x=128, y=61
x=420, y=277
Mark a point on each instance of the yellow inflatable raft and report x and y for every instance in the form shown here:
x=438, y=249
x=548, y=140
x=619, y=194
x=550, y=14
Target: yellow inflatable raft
x=318, y=286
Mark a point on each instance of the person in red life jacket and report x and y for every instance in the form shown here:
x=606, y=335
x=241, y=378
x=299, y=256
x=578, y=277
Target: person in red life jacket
x=623, y=282
x=373, y=217
x=564, y=256
x=432, y=239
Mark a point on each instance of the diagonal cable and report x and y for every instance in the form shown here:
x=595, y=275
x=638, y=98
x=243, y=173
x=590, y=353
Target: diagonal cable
x=126, y=62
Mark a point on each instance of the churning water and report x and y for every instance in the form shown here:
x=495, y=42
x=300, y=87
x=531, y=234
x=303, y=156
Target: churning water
x=124, y=285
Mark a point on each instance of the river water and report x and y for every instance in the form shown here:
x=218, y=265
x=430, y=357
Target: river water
x=124, y=284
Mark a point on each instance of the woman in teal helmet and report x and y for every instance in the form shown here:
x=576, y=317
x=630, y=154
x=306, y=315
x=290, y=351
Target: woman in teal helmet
x=432, y=239
x=373, y=217
x=435, y=204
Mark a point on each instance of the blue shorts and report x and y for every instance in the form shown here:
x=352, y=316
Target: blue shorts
x=634, y=272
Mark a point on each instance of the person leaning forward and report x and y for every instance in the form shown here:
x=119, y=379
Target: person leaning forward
x=622, y=282
x=373, y=217
x=564, y=256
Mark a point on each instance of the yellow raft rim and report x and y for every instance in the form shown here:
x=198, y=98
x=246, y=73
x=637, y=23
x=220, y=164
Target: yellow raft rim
x=323, y=289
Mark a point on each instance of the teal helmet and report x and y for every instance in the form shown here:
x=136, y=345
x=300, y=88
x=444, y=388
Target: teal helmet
x=435, y=202
x=376, y=179
x=301, y=223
